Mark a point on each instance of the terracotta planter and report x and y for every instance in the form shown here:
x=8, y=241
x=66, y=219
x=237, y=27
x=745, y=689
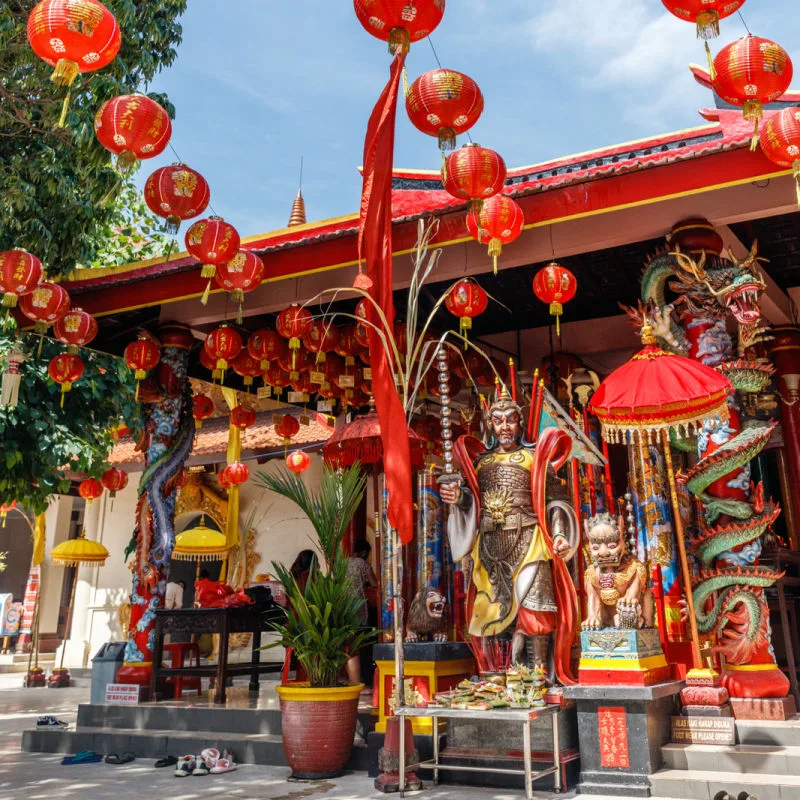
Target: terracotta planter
x=319, y=726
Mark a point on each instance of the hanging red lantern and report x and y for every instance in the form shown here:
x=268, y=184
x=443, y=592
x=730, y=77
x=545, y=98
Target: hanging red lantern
x=243, y=417
x=114, y=480
x=46, y=304
x=706, y=14
x=499, y=222
x=750, y=72
x=212, y=241
x=75, y=329
x=298, y=461
x=132, y=127
x=210, y=363
x=470, y=367
x=302, y=385
x=141, y=356
x=348, y=345
x=223, y=344
x=277, y=378
x=780, y=141
x=73, y=36
x=444, y=103
x=465, y=300
x=223, y=479
x=235, y=474
x=294, y=323
x=243, y=273
x=176, y=192
x=555, y=285
x=265, y=346
x=246, y=367
x=287, y=426
x=474, y=173
x=90, y=489
x=65, y=369
x=300, y=361
x=202, y=408
x=321, y=338
x=399, y=22
x=20, y=273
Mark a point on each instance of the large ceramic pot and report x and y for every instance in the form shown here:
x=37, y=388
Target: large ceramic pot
x=318, y=726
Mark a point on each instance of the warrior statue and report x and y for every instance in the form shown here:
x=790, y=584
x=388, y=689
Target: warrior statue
x=520, y=588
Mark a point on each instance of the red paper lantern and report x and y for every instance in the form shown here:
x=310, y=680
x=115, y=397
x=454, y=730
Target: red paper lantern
x=750, y=72
x=132, y=127
x=46, y=304
x=176, y=192
x=302, y=385
x=444, y=103
x=243, y=273
x=20, y=273
x=348, y=345
x=65, y=369
x=277, y=378
x=474, y=173
x=294, y=323
x=555, y=285
x=287, y=427
x=499, y=222
x=780, y=141
x=243, y=417
x=141, y=356
x=266, y=345
x=210, y=363
x=212, y=241
x=222, y=479
x=300, y=361
x=76, y=328
x=202, y=408
x=401, y=339
x=246, y=367
x=223, y=344
x=235, y=474
x=115, y=480
x=399, y=22
x=706, y=14
x=90, y=489
x=465, y=300
x=298, y=461
x=321, y=338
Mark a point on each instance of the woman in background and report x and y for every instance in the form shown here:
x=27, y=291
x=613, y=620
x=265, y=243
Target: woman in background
x=361, y=575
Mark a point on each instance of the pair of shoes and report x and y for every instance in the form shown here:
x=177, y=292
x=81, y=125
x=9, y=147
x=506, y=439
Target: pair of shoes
x=208, y=762
x=125, y=758
x=49, y=721
x=167, y=761
x=84, y=757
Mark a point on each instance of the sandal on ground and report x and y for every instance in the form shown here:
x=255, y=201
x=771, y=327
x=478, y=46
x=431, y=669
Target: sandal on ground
x=185, y=766
x=205, y=761
x=224, y=765
x=125, y=758
x=167, y=761
x=84, y=757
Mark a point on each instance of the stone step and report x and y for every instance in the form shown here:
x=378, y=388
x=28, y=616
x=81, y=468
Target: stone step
x=770, y=732
x=748, y=758
x=264, y=749
x=704, y=785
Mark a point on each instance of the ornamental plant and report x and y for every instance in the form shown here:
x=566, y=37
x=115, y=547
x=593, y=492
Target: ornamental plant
x=322, y=623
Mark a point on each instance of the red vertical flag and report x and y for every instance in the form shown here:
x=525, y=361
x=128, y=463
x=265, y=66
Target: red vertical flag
x=375, y=247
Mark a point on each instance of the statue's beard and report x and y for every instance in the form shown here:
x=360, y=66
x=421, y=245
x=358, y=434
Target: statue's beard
x=506, y=438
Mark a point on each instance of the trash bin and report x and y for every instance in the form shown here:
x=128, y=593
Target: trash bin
x=105, y=666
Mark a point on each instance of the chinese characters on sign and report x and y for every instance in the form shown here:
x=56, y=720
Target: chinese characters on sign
x=613, y=733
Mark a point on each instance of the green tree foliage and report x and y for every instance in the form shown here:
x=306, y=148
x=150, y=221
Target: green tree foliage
x=53, y=181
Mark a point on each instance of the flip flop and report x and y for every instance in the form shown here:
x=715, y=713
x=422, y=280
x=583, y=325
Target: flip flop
x=167, y=761
x=84, y=757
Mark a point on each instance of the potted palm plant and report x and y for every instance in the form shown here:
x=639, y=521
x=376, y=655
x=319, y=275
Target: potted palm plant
x=323, y=627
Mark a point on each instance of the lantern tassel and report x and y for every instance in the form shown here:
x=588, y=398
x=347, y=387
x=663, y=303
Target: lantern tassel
x=65, y=72
x=495, y=249
x=712, y=73
x=136, y=393
x=63, y=393
x=9, y=391
x=406, y=88
x=39, y=348
x=62, y=118
x=752, y=109
x=206, y=294
x=173, y=224
x=10, y=300
x=208, y=271
x=754, y=139
x=237, y=296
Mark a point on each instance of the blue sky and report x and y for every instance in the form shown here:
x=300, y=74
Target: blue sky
x=259, y=83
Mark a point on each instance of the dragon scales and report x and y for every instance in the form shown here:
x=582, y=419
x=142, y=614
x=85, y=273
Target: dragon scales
x=728, y=587
x=169, y=432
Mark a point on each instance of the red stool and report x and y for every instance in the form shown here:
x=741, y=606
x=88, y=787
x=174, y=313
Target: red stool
x=177, y=660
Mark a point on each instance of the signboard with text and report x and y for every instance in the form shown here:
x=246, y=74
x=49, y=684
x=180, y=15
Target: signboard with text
x=703, y=730
x=613, y=733
x=122, y=694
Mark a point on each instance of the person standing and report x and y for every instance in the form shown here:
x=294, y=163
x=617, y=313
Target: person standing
x=361, y=575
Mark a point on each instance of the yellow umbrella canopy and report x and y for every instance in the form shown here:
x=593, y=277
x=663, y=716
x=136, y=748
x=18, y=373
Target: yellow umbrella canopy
x=200, y=543
x=79, y=551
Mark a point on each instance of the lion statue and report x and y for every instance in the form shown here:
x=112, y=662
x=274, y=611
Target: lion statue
x=426, y=616
x=615, y=581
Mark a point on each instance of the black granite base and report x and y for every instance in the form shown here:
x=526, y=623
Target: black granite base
x=423, y=651
x=621, y=731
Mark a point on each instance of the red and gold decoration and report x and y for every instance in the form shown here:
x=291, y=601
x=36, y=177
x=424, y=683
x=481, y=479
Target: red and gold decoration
x=322, y=337
x=474, y=173
x=212, y=242
x=243, y=417
x=465, y=300
x=300, y=361
x=298, y=461
x=444, y=103
x=348, y=345
x=132, y=127
x=294, y=323
x=243, y=273
x=234, y=474
x=780, y=141
x=65, y=369
x=20, y=273
x=246, y=367
x=114, y=480
x=45, y=305
x=90, y=489
x=287, y=426
x=223, y=344
x=277, y=378
x=399, y=22
x=750, y=72
x=555, y=285
x=177, y=193
x=73, y=36
x=499, y=222
x=210, y=363
x=266, y=346
x=141, y=356
x=202, y=408
x=75, y=329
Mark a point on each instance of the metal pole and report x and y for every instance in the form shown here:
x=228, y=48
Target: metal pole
x=69, y=615
x=399, y=661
